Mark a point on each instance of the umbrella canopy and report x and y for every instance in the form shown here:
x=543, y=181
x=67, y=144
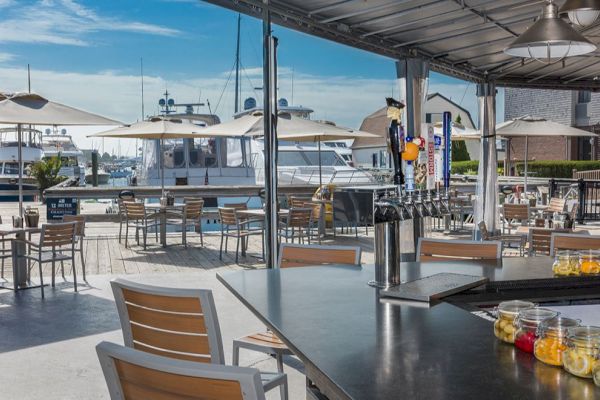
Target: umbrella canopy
x=160, y=128
x=459, y=132
x=31, y=108
x=533, y=126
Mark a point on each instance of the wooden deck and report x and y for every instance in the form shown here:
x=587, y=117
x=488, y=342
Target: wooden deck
x=105, y=255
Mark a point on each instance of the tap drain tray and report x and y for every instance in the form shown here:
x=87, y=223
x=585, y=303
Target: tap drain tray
x=434, y=287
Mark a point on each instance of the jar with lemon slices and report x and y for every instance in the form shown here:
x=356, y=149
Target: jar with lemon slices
x=552, y=339
x=566, y=263
x=579, y=358
x=589, y=262
x=507, y=311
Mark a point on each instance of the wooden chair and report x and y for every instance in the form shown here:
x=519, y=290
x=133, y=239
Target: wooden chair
x=138, y=218
x=57, y=243
x=573, y=241
x=540, y=238
x=315, y=218
x=297, y=202
x=175, y=323
x=79, y=237
x=296, y=224
x=556, y=204
x=134, y=375
x=514, y=215
x=5, y=253
x=507, y=240
x=191, y=215
x=442, y=249
x=239, y=228
x=295, y=255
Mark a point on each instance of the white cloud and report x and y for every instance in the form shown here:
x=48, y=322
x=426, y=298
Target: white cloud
x=4, y=57
x=6, y=3
x=65, y=22
x=344, y=100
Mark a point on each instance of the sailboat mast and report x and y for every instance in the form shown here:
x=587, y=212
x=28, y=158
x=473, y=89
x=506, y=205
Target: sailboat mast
x=237, y=68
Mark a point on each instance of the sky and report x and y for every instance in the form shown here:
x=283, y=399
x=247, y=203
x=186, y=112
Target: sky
x=88, y=54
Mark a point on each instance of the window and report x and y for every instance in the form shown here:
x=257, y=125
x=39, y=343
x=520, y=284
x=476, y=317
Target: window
x=584, y=96
x=291, y=159
x=328, y=158
x=11, y=169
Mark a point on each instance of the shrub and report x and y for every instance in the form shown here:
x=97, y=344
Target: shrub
x=47, y=173
x=542, y=169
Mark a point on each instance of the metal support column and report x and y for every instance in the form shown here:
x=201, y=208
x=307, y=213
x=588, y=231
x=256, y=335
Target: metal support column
x=414, y=78
x=486, y=205
x=270, y=138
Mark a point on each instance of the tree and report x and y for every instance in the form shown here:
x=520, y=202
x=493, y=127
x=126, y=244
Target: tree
x=458, y=119
x=105, y=157
x=459, y=151
x=47, y=173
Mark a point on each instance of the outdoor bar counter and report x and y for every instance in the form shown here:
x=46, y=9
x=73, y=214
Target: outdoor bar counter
x=355, y=345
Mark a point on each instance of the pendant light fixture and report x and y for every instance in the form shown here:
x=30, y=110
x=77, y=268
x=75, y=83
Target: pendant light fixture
x=550, y=39
x=581, y=12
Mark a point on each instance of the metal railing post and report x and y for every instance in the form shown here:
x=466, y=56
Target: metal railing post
x=581, y=186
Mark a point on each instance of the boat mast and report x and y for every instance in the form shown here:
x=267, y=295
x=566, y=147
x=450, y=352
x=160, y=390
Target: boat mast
x=237, y=68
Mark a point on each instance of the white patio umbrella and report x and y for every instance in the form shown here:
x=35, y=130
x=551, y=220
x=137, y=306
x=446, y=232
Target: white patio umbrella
x=458, y=132
x=161, y=128
x=529, y=126
x=290, y=128
x=33, y=109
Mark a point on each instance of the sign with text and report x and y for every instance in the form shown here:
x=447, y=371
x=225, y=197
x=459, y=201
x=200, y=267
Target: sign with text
x=430, y=158
x=56, y=208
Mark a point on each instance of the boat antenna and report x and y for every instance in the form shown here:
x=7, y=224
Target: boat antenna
x=237, y=67
x=208, y=104
x=28, y=79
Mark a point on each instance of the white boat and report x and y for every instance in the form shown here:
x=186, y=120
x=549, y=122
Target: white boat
x=9, y=168
x=103, y=176
x=60, y=144
x=341, y=147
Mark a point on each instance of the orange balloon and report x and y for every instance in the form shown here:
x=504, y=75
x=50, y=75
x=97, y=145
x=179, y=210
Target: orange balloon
x=411, y=152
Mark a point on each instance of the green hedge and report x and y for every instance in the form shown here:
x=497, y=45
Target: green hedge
x=542, y=169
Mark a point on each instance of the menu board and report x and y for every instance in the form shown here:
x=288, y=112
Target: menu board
x=57, y=207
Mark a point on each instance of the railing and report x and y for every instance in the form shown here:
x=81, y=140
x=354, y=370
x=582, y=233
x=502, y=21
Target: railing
x=591, y=174
x=304, y=176
x=587, y=193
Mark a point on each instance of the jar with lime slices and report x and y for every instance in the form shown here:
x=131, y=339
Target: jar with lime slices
x=582, y=343
x=507, y=311
x=566, y=263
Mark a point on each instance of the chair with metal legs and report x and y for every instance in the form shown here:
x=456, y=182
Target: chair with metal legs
x=5, y=253
x=294, y=255
x=135, y=375
x=138, y=218
x=176, y=323
x=79, y=237
x=57, y=243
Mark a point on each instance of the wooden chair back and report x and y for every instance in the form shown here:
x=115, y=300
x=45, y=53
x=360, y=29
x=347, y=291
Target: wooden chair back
x=299, y=255
x=299, y=217
x=134, y=375
x=540, y=240
x=236, y=206
x=519, y=212
x=134, y=210
x=227, y=216
x=316, y=210
x=556, y=204
x=297, y=202
x=193, y=209
x=56, y=235
x=80, y=223
x=441, y=250
x=176, y=323
x=573, y=241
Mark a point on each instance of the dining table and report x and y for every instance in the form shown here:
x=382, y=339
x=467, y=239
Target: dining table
x=18, y=250
x=258, y=214
x=163, y=211
x=357, y=344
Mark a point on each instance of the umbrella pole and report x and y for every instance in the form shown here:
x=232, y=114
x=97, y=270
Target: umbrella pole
x=162, y=168
x=525, y=173
x=320, y=174
x=20, y=156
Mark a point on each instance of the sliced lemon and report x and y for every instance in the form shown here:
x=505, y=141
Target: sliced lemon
x=577, y=364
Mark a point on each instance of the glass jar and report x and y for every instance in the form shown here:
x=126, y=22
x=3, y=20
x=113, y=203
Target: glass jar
x=596, y=370
x=552, y=338
x=527, y=323
x=507, y=311
x=579, y=358
x=589, y=262
x=566, y=262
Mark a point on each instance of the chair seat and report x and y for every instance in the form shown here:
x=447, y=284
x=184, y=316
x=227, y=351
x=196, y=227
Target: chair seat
x=271, y=380
x=265, y=342
x=48, y=256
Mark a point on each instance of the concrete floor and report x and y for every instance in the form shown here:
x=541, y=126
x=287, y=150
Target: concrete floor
x=47, y=347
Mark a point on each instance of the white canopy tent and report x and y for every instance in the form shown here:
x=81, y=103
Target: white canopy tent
x=33, y=109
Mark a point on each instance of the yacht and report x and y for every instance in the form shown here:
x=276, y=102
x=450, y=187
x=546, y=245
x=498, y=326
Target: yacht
x=103, y=176
x=9, y=166
x=60, y=144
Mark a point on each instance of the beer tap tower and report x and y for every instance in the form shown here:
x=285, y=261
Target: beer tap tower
x=399, y=213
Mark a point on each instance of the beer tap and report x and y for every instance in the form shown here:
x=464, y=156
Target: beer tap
x=430, y=206
x=419, y=207
x=446, y=202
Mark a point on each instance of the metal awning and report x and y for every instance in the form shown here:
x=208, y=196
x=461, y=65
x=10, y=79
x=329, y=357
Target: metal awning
x=461, y=38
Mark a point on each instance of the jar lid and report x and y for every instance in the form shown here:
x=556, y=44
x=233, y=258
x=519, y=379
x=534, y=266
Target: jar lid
x=586, y=332
x=566, y=253
x=514, y=306
x=537, y=314
x=589, y=253
x=558, y=325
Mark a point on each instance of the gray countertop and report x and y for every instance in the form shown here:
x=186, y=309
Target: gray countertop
x=356, y=346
